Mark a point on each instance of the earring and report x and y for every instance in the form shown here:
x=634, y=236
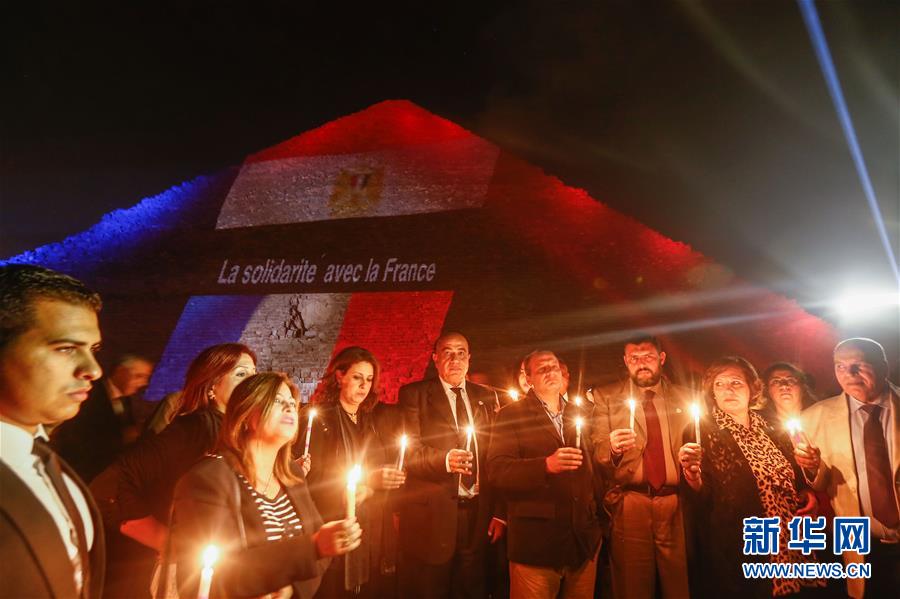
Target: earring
x=211, y=395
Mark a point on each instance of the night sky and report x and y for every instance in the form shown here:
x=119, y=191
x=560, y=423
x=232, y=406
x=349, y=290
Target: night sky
x=708, y=121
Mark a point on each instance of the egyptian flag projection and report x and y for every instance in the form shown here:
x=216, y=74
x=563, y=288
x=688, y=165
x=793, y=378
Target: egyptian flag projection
x=384, y=227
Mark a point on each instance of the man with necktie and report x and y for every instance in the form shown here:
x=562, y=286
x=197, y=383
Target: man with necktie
x=637, y=428
x=446, y=512
x=854, y=456
x=51, y=536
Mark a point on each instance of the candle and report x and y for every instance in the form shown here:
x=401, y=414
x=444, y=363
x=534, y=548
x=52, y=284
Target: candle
x=210, y=555
x=695, y=412
x=469, y=432
x=631, y=416
x=513, y=394
x=796, y=432
x=578, y=401
x=312, y=414
x=578, y=422
x=402, y=451
x=352, y=479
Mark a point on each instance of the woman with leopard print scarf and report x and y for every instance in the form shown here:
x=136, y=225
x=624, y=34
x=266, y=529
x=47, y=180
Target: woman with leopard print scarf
x=745, y=468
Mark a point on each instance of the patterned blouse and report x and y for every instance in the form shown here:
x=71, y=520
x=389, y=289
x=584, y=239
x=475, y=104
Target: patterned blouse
x=279, y=517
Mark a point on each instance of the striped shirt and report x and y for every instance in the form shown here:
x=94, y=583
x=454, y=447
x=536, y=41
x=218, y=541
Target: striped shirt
x=280, y=519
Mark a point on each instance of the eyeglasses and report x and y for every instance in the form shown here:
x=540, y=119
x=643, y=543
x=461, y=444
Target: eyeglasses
x=646, y=358
x=286, y=403
x=788, y=381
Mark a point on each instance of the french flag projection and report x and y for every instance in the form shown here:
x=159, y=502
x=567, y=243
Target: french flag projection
x=386, y=226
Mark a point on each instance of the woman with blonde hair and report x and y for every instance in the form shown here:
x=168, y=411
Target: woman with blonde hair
x=251, y=501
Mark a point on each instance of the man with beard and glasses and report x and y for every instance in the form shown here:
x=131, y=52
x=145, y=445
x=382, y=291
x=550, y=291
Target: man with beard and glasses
x=640, y=464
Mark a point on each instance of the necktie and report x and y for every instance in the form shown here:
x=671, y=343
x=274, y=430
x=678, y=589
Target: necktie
x=462, y=421
x=51, y=466
x=878, y=469
x=654, y=459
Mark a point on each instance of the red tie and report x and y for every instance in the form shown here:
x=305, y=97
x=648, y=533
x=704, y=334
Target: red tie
x=654, y=457
x=878, y=469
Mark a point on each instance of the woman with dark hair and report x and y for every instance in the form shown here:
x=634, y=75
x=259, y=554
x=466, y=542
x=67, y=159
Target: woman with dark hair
x=744, y=469
x=149, y=471
x=251, y=502
x=786, y=393
x=343, y=435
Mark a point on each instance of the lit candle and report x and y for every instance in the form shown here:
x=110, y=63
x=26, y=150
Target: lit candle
x=578, y=401
x=352, y=479
x=796, y=432
x=402, y=451
x=513, y=394
x=210, y=556
x=695, y=412
x=578, y=422
x=469, y=432
x=631, y=415
x=312, y=414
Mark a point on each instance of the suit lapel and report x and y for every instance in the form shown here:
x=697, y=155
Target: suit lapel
x=439, y=403
x=39, y=530
x=676, y=413
x=98, y=548
x=541, y=419
x=895, y=401
x=839, y=431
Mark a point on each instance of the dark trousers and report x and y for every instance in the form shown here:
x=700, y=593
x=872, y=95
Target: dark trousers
x=885, y=560
x=462, y=577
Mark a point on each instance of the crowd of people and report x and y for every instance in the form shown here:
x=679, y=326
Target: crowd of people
x=457, y=490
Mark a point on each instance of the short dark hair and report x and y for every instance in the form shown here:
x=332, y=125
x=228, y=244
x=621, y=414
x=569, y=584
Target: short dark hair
x=527, y=360
x=640, y=338
x=719, y=365
x=808, y=395
x=446, y=334
x=21, y=285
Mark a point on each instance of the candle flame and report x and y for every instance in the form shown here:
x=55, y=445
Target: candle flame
x=695, y=410
x=312, y=414
x=354, y=475
x=631, y=403
x=514, y=394
x=403, y=441
x=210, y=556
x=469, y=430
x=579, y=422
x=793, y=426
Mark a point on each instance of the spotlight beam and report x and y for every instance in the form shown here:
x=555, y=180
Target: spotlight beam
x=817, y=36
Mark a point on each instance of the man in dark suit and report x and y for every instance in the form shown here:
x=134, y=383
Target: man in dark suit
x=637, y=450
x=109, y=419
x=51, y=536
x=542, y=465
x=446, y=515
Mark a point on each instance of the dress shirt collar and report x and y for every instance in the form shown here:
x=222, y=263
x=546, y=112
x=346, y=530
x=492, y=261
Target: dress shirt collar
x=448, y=388
x=16, y=443
x=882, y=400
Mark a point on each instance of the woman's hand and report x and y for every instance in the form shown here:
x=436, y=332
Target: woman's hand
x=387, y=478
x=338, y=537
x=808, y=457
x=305, y=463
x=690, y=457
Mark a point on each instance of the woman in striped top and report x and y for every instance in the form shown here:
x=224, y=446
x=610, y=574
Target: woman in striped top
x=251, y=500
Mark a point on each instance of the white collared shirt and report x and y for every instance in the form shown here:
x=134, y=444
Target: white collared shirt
x=451, y=397
x=858, y=419
x=15, y=451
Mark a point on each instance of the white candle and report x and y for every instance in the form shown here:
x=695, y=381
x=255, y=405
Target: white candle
x=210, y=555
x=402, y=452
x=513, y=394
x=631, y=416
x=312, y=414
x=352, y=480
x=578, y=423
x=695, y=412
x=796, y=432
x=469, y=432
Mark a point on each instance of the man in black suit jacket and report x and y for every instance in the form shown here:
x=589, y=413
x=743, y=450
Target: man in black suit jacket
x=542, y=466
x=51, y=536
x=446, y=514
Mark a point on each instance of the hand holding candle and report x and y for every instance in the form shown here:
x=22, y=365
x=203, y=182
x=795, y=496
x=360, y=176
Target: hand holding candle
x=513, y=394
x=312, y=414
x=210, y=556
x=469, y=432
x=807, y=455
